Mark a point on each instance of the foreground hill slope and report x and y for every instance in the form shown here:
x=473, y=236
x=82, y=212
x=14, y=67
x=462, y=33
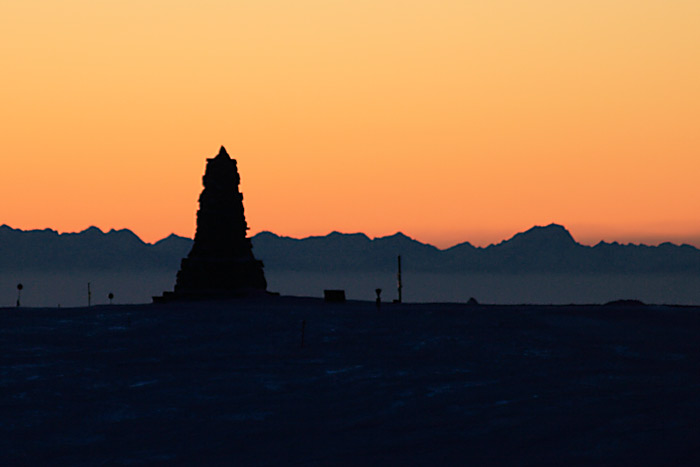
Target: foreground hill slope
x=229, y=383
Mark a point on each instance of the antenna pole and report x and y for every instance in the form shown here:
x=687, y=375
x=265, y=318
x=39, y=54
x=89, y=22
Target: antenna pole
x=398, y=277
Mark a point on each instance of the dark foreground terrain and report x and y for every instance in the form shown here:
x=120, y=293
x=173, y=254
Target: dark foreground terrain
x=229, y=383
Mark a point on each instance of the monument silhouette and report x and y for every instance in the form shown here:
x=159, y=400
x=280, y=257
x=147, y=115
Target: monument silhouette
x=221, y=263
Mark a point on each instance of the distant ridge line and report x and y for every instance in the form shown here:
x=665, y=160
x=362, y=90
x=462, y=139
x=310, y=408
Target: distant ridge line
x=398, y=234
x=541, y=249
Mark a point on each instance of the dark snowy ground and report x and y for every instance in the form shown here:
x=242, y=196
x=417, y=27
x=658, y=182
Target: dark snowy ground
x=228, y=383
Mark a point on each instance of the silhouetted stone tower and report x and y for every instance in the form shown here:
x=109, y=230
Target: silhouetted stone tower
x=221, y=263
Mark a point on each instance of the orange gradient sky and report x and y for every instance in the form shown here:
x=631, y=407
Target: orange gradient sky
x=454, y=120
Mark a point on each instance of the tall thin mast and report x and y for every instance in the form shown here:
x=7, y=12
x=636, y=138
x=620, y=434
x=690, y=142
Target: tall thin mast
x=398, y=277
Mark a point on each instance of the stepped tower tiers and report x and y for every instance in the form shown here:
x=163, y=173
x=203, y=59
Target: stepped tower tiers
x=221, y=262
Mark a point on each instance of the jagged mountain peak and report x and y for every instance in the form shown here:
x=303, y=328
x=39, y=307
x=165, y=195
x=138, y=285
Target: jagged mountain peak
x=340, y=236
x=401, y=240
x=90, y=231
x=172, y=238
x=266, y=234
x=122, y=232
x=398, y=235
x=552, y=235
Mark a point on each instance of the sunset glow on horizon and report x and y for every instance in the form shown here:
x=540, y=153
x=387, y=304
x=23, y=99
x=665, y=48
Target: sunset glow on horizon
x=449, y=121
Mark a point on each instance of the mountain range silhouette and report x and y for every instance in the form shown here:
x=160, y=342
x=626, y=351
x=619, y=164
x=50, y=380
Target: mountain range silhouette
x=549, y=249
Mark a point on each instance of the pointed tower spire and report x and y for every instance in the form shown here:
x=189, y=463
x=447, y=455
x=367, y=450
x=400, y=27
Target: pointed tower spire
x=223, y=153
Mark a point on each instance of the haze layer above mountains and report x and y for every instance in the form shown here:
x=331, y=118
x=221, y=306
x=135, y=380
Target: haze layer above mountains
x=540, y=249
